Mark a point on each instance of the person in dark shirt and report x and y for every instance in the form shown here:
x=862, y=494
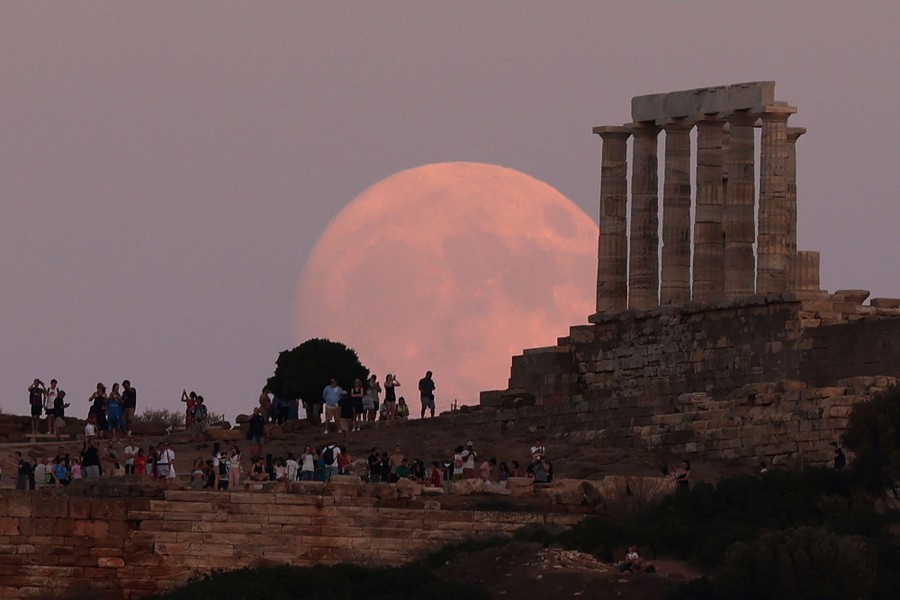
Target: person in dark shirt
x=36, y=393
x=129, y=405
x=426, y=391
x=403, y=471
x=23, y=473
x=257, y=432
x=91, y=460
x=374, y=466
x=840, y=460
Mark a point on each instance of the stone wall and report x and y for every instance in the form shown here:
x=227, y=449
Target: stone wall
x=117, y=539
x=767, y=377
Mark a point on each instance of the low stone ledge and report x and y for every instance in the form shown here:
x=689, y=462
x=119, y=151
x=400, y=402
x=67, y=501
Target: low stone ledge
x=885, y=302
x=851, y=296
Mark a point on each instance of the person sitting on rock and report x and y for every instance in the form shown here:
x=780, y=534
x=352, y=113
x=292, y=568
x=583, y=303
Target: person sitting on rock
x=537, y=451
x=258, y=470
x=434, y=479
x=485, y=470
x=418, y=473
x=402, y=409
x=632, y=560
x=403, y=471
x=683, y=474
x=504, y=475
x=542, y=471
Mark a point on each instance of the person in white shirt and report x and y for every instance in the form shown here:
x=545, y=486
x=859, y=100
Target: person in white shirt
x=90, y=430
x=469, y=456
x=166, y=465
x=40, y=473
x=131, y=451
x=308, y=468
x=49, y=400
x=292, y=467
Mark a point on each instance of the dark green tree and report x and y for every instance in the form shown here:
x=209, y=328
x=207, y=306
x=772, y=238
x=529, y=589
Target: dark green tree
x=304, y=371
x=873, y=433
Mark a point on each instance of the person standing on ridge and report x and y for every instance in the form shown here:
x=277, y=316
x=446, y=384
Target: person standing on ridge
x=129, y=404
x=49, y=402
x=36, y=401
x=331, y=395
x=390, y=395
x=426, y=389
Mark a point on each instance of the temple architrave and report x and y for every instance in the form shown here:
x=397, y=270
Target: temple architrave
x=711, y=336
x=719, y=259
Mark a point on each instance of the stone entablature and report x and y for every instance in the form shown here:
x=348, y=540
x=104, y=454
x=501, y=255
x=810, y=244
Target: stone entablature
x=703, y=103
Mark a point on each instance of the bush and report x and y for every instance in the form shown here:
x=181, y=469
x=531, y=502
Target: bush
x=873, y=433
x=161, y=415
x=441, y=557
x=701, y=524
x=797, y=564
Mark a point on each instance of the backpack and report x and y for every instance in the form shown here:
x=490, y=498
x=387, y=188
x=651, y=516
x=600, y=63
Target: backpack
x=328, y=455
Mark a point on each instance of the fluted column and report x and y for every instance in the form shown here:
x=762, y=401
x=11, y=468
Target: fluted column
x=643, y=273
x=805, y=271
x=793, y=134
x=709, y=232
x=740, y=200
x=612, y=252
x=772, y=240
x=676, y=249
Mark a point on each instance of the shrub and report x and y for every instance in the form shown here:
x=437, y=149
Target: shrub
x=161, y=415
x=797, y=564
x=441, y=557
x=873, y=433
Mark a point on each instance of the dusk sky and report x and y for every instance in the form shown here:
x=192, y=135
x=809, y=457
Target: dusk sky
x=167, y=168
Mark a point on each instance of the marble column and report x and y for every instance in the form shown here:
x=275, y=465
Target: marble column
x=612, y=252
x=793, y=134
x=676, y=232
x=709, y=231
x=643, y=273
x=772, y=240
x=805, y=271
x=740, y=202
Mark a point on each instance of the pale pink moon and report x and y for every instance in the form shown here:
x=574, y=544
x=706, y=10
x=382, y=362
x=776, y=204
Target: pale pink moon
x=452, y=268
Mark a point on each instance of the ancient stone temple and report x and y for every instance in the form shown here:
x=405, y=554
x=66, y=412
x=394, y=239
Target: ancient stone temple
x=721, y=261
x=711, y=335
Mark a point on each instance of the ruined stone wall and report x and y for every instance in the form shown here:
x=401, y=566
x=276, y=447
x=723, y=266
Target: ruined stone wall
x=133, y=541
x=768, y=377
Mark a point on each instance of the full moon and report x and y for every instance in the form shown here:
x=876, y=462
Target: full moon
x=452, y=268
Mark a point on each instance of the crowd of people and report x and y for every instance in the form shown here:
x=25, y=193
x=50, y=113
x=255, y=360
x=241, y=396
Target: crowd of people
x=224, y=469
x=110, y=413
x=97, y=458
x=349, y=410
x=227, y=469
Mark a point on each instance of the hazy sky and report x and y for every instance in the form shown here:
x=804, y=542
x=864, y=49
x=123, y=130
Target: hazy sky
x=166, y=168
